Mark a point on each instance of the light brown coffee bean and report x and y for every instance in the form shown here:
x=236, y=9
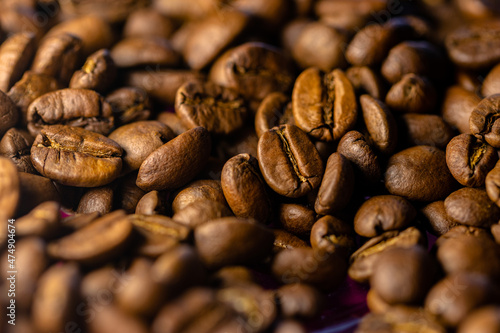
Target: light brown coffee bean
x=458, y=105
x=380, y=124
x=15, y=56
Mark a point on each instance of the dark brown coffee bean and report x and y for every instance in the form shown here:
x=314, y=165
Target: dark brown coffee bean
x=284, y=240
x=143, y=51
x=363, y=261
x=152, y=203
x=484, y=121
x=438, y=221
x=336, y=187
x=76, y=157
x=201, y=211
x=380, y=124
x=383, y=213
x=15, y=56
x=128, y=193
x=30, y=87
x=220, y=110
x=58, y=56
x=324, y=105
x=73, y=107
x=405, y=175
x=305, y=265
x=289, y=162
x=42, y=221
x=458, y=105
x=275, y=110
x=139, y=139
x=8, y=113
x=96, y=200
x=16, y=145
x=35, y=190
x=297, y=219
x=200, y=190
x=469, y=291
x=215, y=242
x=403, y=275
x=471, y=206
x=299, y=300
x=332, y=235
x=420, y=58
x=491, y=84
x=147, y=22
x=485, y=319
x=355, y=148
x=426, y=130
x=365, y=81
x=9, y=188
x=98, y=73
x=492, y=184
x=412, y=94
x=129, y=104
x=244, y=189
x=475, y=46
x=180, y=159
x=97, y=242
x=470, y=160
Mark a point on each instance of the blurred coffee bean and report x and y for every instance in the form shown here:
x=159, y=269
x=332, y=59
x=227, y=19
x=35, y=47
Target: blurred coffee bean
x=16, y=145
x=425, y=129
x=457, y=107
x=15, y=56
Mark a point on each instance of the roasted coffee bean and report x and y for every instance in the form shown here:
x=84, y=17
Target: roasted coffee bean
x=254, y=70
x=321, y=269
x=201, y=211
x=28, y=88
x=138, y=140
x=420, y=58
x=129, y=104
x=355, y=148
x=152, y=203
x=462, y=230
x=176, y=162
x=244, y=189
x=492, y=184
x=365, y=81
x=8, y=113
x=485, y=319
x=425, y=129
x=199, y=190
x=471, y=206
x=144, y=51
x=172, y=120
x=242, y=142
x=412, y=94
x=15, y=56
x=284, y=240
x=16, y=145
x=128, y=193
x=35, y=190
x=484, y=121
x=336, y=187
x=363, y=261
x=76, y=157
x=475, y=46
x=383, y=213
x=231, y=276
x=297, y=219
x=470, y=160
x=324, y=105
x=220, y=110
x=96, y=200
x=111, y=318
x=98, y=73
x=275, y=110
x=58, y=56
x=55, y=298
x=491, y=84
x=42, y=221
x=404, y=176
x=470, y=291
x=215, y=242
x=380, y=124
x=9, y=188
x=330, y=234
x=438, y=222
x=289, y=162
x=97, y=242
x=458, y=105
x=148, y=23
x=78, y=221
x=299, y=300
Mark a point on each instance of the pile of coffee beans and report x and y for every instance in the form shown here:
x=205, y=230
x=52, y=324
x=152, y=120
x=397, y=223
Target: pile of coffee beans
x=225, y=166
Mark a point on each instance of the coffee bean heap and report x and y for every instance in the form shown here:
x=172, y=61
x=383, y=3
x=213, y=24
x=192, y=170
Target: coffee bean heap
x=222, y=166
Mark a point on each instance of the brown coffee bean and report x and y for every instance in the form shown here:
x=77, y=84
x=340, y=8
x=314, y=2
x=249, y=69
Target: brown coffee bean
x=365, y=81
x=468, y=80
x=469, y=291
x=76, y=157
x=139, y=139
x=425, y=129
x=244, y=189
x=475, y=46
x=98, y=73
x=111, y=11
x=355, y=148
x=111, y=318
x=56, y=297
x=129, y=104
x=16, y=145
x=9, y=188
x=275, y=110
x=412, y=94
x=438, y=222
x=97, y=242
x=405, y=175
x=299, y=300
x=58, y=56
x=73, y=107
x=15, y=56
x=383, y=213
x=218, y=109
x=42, y=221
x=8, y=113
x=244, y=141
x=128, y=193
x=78, y=221
x=336, y=187
x=483, y=120
x=403, y=275
x=330, y=234
x=492, y=184
x=321, y=269
x=200, y=190
x=173, y=121
x=148, y=22
x=284, y=240
x=96, y=200
x=144, y=51
x=471, y=206
x=35, y=190
x=232, y=276
x=152, y=203
x=482, y=9
x=470, y=160
x=297, y=219
x=380, y=124
x=201, y=211
x=215, y=242
x=363, y=261
x=289, y=162
x=491, y=84
x=324, y=105
x=485, y=319
x=458, y=105
x=176, y=162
